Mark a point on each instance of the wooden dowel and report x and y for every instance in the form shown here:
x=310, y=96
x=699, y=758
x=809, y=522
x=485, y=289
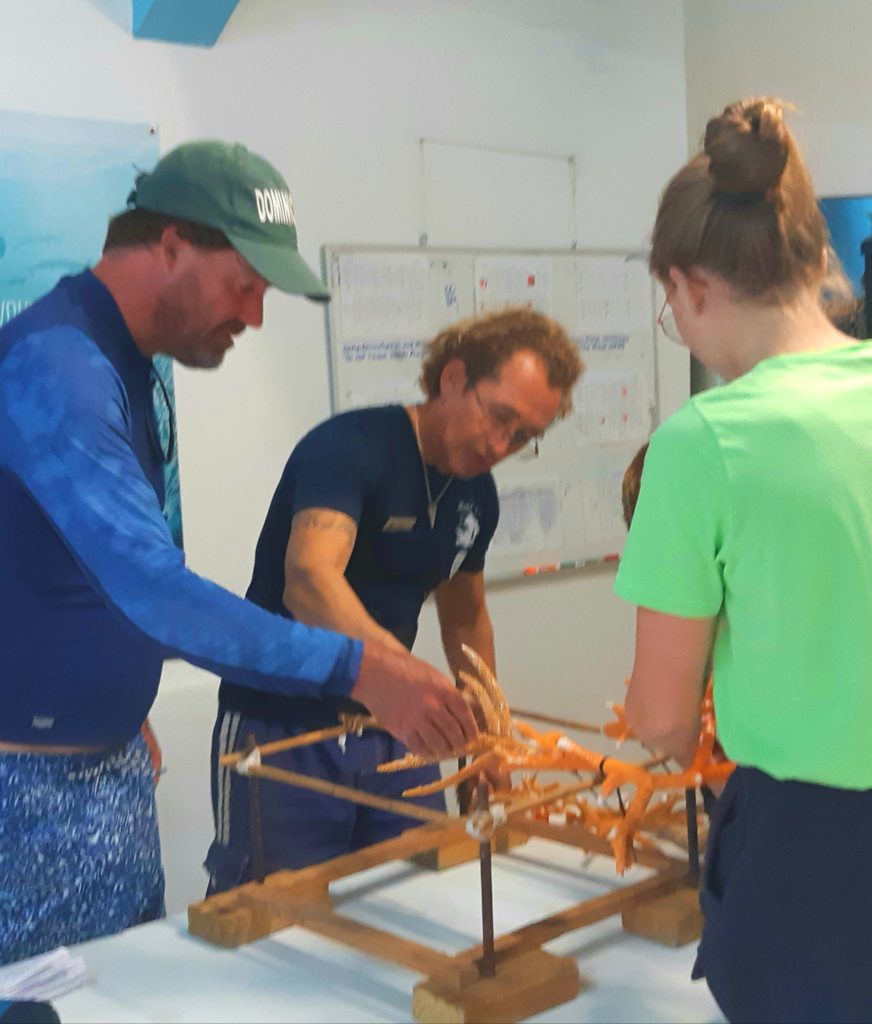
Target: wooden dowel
x=405, y=845
x=356, y=796
x=564, y=723
x=303, y=740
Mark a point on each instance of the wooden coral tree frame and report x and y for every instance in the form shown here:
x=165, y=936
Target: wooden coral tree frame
x=507, y=978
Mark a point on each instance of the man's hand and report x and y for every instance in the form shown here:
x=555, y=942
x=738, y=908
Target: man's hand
x=414, y=702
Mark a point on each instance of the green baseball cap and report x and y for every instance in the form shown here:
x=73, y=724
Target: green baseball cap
x=224, y=186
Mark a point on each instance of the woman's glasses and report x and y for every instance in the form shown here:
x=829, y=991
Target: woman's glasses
x=666, y=323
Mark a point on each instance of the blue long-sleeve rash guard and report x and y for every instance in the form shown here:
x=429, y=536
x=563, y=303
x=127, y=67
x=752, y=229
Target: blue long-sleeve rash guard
x=94, y=594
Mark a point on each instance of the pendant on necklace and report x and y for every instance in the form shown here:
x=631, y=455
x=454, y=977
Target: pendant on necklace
x=431, y=514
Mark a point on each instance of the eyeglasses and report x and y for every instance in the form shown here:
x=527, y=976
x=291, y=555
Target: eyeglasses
x=502, y=421
x=162, y=425
x=666, y=323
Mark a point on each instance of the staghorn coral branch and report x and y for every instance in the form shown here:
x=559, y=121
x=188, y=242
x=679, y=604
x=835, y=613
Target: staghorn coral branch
x=489, y=682
x=473, y=768
x=472, y=686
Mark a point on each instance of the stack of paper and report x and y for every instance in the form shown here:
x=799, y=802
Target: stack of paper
x=42, y=977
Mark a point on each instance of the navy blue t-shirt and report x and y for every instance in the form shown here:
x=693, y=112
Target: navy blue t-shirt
x=366, y=464
x=94, y=594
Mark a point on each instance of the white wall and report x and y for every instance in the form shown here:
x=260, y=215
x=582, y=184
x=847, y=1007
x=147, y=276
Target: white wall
x=813, y=53
x=337, y=94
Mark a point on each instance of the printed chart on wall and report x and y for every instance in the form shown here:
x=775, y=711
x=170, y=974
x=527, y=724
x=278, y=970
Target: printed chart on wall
x=560, y=508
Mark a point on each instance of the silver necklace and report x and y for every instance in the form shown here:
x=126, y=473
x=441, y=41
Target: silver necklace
x=432, y=504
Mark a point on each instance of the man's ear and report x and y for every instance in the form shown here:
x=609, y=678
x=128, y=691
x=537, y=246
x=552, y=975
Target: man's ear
x=170, y=245
x=453, y=379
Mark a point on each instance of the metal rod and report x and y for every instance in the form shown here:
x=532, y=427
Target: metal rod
x=464, y=788
x=256, y=822
x=692, y=837
x=486, y=966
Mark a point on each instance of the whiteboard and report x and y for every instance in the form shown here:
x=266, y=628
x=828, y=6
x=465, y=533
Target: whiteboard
x=560, y=509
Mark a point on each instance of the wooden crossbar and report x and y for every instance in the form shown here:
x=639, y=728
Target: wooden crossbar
x=537, y=933
x=292, y=742
x=324, y=921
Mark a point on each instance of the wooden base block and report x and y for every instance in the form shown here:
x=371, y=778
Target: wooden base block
x=253, y=911
x=672, y=920
x=525, y=984
x=463, y=850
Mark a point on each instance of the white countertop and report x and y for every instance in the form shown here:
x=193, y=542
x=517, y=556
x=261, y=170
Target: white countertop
x=158, y=972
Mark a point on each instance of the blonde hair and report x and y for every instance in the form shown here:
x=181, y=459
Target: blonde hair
x=486, y=341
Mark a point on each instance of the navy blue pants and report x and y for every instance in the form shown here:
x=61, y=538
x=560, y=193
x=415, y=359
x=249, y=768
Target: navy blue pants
x=787, y=900
x=300, y=827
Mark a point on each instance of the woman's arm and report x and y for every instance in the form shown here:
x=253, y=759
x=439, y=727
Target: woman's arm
x=668, y=681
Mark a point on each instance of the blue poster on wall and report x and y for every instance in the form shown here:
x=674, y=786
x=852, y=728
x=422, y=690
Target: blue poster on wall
x=849, y=219
x=61, y=179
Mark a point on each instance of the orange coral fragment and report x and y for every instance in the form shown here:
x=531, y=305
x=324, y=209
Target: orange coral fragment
x=520, y=746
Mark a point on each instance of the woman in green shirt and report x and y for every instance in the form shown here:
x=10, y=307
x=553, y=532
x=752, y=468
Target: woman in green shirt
x=752, y=543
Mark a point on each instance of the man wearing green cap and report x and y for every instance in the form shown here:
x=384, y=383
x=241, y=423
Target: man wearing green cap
x=94, y=594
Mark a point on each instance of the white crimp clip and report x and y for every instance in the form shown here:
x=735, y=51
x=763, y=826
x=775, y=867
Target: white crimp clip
x=565, y=744
x=471, y=829
x=252, y=761
x=480, y=825
x=498, y=813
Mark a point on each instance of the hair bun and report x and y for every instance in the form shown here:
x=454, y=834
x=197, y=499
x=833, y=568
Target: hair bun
x=747, y=147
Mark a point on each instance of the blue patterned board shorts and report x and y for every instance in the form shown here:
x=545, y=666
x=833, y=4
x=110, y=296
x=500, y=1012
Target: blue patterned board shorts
x=79, y=848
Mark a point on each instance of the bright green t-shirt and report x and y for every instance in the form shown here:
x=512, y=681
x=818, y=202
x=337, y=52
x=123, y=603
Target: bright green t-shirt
x=756, y=507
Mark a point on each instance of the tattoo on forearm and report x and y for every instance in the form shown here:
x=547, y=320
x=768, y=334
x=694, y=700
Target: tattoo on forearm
x=326, y=520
